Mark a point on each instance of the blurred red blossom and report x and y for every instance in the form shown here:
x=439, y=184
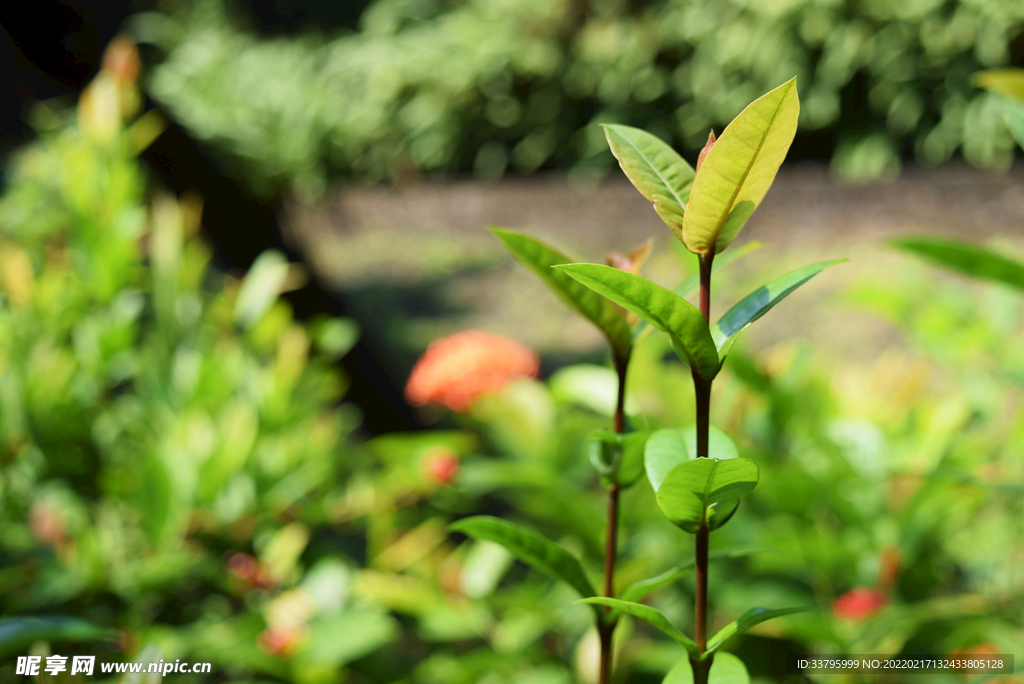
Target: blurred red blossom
x=249, y=571
x=858, y=603
x=456, y=370
x=441, y=465
x=281, y=641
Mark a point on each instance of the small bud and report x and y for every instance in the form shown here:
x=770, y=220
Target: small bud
x=616, y=260
x=121, y=60
x=632, y=263
x=707, y=148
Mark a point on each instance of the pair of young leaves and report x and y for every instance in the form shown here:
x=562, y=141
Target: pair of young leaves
x=705, y=211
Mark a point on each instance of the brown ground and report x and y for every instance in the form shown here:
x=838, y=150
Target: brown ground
x=431, y=237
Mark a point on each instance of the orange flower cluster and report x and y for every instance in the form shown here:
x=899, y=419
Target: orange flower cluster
x=456, y=370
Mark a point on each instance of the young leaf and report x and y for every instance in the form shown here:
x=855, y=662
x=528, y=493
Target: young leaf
x=655, y=169
x=661, y=308
x=652, y=615
x=539, y=258
x=739, y=169
x=725, y=669
x=965, y=258
x=705, y=491
x=534, y=550
x=759, y=302
x=618, y=458
x=640, y=589
x=669, y=447
x=754, y=616
x=632, y=466
x=17, y=634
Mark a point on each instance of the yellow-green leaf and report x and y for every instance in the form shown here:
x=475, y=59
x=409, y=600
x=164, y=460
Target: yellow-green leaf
x=739, y=169
x=655, y=169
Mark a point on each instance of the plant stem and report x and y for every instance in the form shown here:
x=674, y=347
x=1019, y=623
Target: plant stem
x=607, y=629
x=702, y=395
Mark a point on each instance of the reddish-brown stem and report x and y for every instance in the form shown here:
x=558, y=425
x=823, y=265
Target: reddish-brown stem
x=702, y=395
x=705, y=284
x=607, y=629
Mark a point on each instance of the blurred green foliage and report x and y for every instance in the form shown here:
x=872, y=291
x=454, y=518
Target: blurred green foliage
x=429, y=85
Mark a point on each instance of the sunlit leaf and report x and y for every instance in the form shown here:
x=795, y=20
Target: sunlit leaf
x=529, y=547
x=739, y=169
x=752, y=617
x=365, y=630
x=651, y=615
x=965, y=258
x=1009, y=82
x=539, y=258
x=261, y=287
x=655, y=169
x=705, y=491
x=17, y=634
x=759, y=302
x=669, y=447
x=662, y=308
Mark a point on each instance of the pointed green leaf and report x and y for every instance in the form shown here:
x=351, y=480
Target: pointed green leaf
x=655, y=169
x=759, y=302
x=705, y=491
x=686, y=287
x=534, y=550
x=651, y=615
x=661, y=308
x=965, y=258
x=739, y=169
x=637, y=591
x=632, y=467
x=725, y=669
x=539, y=258
x=754, y=616
x=667, y=448
x=17, y=634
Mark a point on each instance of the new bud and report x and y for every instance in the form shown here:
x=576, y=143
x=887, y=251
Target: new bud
x=707, y=148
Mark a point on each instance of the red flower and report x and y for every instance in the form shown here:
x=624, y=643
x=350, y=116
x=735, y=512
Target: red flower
x=283, y=641
x=457, y=369
x=441, y=465
x=858, y=603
